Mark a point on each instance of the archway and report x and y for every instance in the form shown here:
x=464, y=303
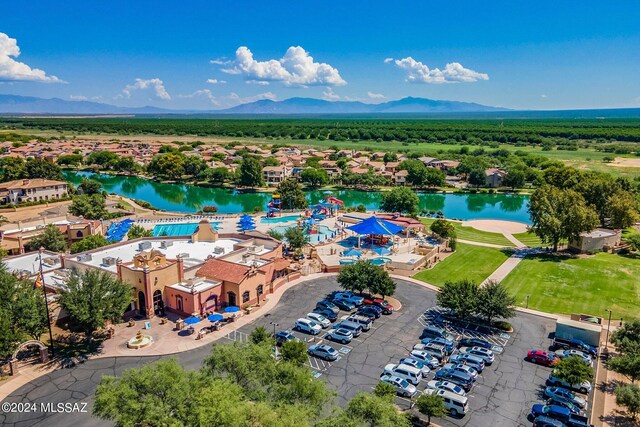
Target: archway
x=142, y=304
x=211, y=304
x=179, y=303
x=158, y=303
x=231, y=298
x=22, y=357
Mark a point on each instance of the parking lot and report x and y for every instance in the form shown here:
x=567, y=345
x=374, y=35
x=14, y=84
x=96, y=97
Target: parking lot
x=503, y=394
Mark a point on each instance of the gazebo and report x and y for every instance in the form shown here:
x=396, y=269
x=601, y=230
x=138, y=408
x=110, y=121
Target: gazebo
x=374, y=226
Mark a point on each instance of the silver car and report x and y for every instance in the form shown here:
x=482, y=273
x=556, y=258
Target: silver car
x=341, y=335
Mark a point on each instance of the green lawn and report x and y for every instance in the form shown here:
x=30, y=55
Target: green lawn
x=470, y=233
x=468, y=262
x=583, y=285
x=529, y=239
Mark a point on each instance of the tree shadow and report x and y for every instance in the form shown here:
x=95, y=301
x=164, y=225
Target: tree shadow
x=619, y=419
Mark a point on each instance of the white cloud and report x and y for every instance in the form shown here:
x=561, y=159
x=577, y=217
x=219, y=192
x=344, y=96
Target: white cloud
x=230, y=100
x=235, y=98
x=374, y=95
x=330, y=95
x=295, y=68
x=543, y=96
x=454, y=72
x=156, y=85
x=78, y=97
x=257, y=82
x=220, y=61
x=203, y=93
x=12, y=70
x=387, y=60
x=216, y=81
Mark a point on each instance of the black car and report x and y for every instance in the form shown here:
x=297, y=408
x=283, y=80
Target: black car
x=474, y=342
x=329, y=314
x=283, y=336
x=368, y=312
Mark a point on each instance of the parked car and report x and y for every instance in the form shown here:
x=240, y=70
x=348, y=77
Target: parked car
x=283, y=336
x=584, y=388
x=544, y=421
x=561, y=393
x=324, y=352
x=436, y=332
x=575, y=409
x=462, y=379
x=574, y=343
x=475, y=342
x=379, y=302
x=355, y=328
x=559, y=413
x=433, y=349
x=575, y=353
x=402, y=386
x=446, y=385
x=319, y=319
x=363, y=321
x=419, y=364
x=343, y=304
x=349, y=296
x=449, y=345
x=369, y=311
x=542, y=357
x=454, y=403
x=341, y=335
x=327, y=305
x=467, y=359
x=462, y=368
x=431, y=361
x=327, y=313
x=406, y=372
x=483, y=353
x=308, y=326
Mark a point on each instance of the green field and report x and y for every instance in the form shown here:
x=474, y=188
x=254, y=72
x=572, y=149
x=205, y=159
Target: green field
x=468, y=262
x=581, y=285
x=470, y=233
x=529, y=239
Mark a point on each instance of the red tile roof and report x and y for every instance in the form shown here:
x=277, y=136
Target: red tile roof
x=223, y=270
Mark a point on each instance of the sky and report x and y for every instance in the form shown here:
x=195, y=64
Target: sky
x=214, y=54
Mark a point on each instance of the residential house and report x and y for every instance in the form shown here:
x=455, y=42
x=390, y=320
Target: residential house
x=274, y=175
x=400, y=177
x=31, y=190
x=494, y=177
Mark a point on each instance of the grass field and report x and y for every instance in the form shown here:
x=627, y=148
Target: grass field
x=468, y=262
x=470, y=233
x=529, y=239
x=581, y=285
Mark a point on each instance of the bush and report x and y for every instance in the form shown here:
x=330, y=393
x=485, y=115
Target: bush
x=210, y=209
x=503, y=326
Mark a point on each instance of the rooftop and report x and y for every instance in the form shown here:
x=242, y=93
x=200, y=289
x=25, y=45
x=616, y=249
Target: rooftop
x=30, y=262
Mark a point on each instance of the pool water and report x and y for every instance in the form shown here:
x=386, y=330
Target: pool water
x=380, y=261
x=324, y=233
x=170, y=230
x=278, y=219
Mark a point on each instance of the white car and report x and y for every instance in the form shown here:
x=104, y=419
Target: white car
x=431, y=361
x=341, y=335
x=572, y=352
x=308, y=326
x=482, y=353
x=319, y=319
x=411, y=361
x=403, y=388
x=406, y=372
x=446, y=385
x=463, y=368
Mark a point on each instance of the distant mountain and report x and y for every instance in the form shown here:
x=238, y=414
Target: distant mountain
x=15, y=104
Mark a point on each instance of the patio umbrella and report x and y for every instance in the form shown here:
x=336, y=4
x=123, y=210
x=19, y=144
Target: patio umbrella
x=192, y=320
x=353, y=252
x=382, y=251
x=232, y=309
x=249, y=227
x=215, y=317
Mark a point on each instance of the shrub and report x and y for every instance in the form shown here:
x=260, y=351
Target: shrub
x=210, y=209
x=503, y=326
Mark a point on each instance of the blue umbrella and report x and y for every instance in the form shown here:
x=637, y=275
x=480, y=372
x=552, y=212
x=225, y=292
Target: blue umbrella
x=215, y=317
x=232, y=309
x=353, y=252
x=192, y=320
x=382, y=251
x=248, y=227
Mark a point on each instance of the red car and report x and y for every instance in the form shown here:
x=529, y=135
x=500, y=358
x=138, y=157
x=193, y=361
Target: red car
x=379, y=302
x=542, y=357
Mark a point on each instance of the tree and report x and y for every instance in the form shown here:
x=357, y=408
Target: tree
x=40, y=168
x=70, y=160
x=169, y=165
x=105, y=159
x=362, y=275
x=443, y=228
x=477, y=177
x=260, y=335
x=622, y=209
x=275, y=234
x=127, y=164
x=400, y=199
x=495, y=302
x=627, y=364
x=390, y=157
x=294, y=352
x=385, y=390
x=314, y=177
x=634, y=241
x=431, y=405
x=460, y=296
x=629, y=397
x=573, y=370
x=89, y=207
x=219, y=175
x=291, y=194
x=366, y=409
x=251, y=173
x=627, y=338
x=515, y=178
x=137, y=231
x=12, y=168
x=88, y=243
x=194, y=166
x=560, y=214
x=94, y=297
x=90, y=186
x=296, y=237
x=51, y=239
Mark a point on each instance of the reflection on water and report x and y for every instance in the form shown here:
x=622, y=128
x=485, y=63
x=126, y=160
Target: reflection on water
x=191, y=198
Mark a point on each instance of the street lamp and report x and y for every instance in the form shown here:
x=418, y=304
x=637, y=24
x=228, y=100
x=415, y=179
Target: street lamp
x=527, y=302
x=274, y=327
x=606, y=341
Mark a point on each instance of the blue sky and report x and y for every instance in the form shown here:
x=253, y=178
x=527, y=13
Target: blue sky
x=516, y=54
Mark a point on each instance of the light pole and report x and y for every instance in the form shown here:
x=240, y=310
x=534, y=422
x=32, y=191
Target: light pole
x=527, y=302
x=606, y=341
x=274, y=327
x=275, y=342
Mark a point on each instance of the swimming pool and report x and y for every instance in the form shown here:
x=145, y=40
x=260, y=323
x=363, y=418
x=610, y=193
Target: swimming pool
x=324, y=233
x=347, y=261
x=185, y=229
x=380, y=260
x=279, y=219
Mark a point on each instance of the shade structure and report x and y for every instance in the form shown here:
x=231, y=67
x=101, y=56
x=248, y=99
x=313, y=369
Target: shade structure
x=374, y=225
x=232, y=309
x=215, y=317
x=192, y=320
x=382, y=251
x=353, y=252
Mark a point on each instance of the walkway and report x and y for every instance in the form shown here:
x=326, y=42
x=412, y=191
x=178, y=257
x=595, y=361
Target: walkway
x=512, y=262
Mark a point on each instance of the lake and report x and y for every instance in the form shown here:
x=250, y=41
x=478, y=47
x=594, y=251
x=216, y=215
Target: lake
x=188, y=198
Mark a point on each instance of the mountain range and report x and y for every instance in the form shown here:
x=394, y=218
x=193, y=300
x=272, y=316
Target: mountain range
x=15, y=104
